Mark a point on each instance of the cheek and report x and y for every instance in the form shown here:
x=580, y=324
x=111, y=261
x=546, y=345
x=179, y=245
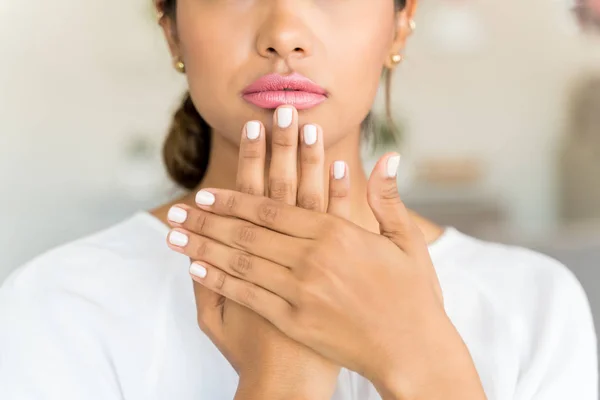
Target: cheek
x=214, y=55
x=357, y=59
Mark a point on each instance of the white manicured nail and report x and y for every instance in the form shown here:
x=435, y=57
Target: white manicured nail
x=253, y=130
x=198, y=270
x=178, y=239
x=177, y=215
x=284, y=117
x=205, y=198
x=310, y=135
x=392, y=166
x=339, y=170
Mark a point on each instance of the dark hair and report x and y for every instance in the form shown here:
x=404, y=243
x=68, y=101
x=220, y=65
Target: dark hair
x=186, y=150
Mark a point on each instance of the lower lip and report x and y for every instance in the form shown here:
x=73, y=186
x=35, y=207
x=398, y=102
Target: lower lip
x=272, y=100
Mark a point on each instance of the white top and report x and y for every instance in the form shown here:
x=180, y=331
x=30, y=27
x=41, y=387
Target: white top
x=112, y=316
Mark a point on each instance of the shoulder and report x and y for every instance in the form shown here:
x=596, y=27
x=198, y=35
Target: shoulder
x=515, y=276
x=537, y=302
x=86, y=306
x=127, y=259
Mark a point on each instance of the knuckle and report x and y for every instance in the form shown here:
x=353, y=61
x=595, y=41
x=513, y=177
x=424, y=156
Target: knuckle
x=283, y=140
x=201, y=250
x=200, y=222
x=279, y=189
x=390, y=194
x=251, y=153
x=311, y=159
x=241, y=264
x=310, y=201
x=248, y=297
x=245, y=236
x=338, y=192
x=332, y=229
x=232, y=203
x=248, y=189
x=268, y=212
x=220, y=280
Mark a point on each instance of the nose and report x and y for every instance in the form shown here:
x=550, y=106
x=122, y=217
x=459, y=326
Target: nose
x=283, y=34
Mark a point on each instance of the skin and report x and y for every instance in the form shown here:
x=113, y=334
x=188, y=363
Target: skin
x=274, y=357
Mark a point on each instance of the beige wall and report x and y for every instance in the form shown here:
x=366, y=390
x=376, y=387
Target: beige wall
x=505, y=102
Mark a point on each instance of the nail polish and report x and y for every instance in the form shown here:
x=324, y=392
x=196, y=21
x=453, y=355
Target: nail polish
x=339, y=170
x=310, y=135
x=392, y=166
x=198, y=270
x=252, y=130
x=285, y=115
x=178, y=239
x=205, y=198
x=177, y=215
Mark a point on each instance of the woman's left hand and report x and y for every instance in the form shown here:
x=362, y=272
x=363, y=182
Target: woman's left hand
x=369, y=302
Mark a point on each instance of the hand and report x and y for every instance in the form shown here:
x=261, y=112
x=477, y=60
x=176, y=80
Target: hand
x=368, y=302
x=267, y=360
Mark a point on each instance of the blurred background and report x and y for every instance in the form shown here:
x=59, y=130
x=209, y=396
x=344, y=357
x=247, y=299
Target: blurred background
x=499, y=104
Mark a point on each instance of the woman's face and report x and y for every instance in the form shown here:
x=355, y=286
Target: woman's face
x=342, y=45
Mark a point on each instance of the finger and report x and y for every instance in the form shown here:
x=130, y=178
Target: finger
x=209, y=305
x=339, y=190
x=240, y=264
x=238, y=234
x=265, y=212
x=389, y=210
x=267, y=304
x=209, y=308
x=251, y=163
x=311, y=188
x=283, y=175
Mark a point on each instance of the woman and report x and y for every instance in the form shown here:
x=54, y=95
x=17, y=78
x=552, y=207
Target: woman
x=303, y=269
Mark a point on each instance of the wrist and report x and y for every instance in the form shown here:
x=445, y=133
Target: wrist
x=287, y=384
x=261, y=390
x=436, y=367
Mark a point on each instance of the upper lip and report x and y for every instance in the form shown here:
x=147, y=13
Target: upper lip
x=276, y=82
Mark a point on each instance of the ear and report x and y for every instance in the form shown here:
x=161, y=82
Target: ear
x=403, y=29
x=169, y=29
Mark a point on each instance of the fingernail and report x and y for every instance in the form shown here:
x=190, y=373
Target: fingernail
x=310, y=135
x=178, y=239
x=205, y=198
x=392, y=166
x=339, y=170
x=198, y=270
x=253, y=130
x=177, y=215
x=284, y=117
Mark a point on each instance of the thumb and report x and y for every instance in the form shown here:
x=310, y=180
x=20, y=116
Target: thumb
x=384, y=199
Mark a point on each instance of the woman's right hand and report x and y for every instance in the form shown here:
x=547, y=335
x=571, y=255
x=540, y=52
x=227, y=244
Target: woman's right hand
x=270, y=364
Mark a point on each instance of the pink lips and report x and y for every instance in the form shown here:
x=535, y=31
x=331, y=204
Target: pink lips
x=274, y=90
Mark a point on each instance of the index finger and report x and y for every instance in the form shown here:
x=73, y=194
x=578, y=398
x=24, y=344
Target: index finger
x=262, y=211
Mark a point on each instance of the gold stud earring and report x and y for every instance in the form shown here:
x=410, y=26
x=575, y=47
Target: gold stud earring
x=397, y=59
x=180, y=66
x=412, y=24
x=159, y=15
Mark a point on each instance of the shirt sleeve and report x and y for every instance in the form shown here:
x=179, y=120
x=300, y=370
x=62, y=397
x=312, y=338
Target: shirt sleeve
x=47, y=350
x=561, y=362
